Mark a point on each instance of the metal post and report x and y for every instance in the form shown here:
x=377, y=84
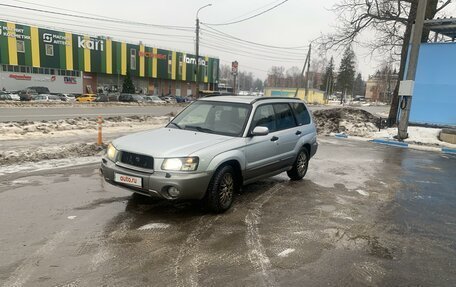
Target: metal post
x=197, y=57
x=411, y=70
x=100, y=136
x=197, y=48
x=308, y=73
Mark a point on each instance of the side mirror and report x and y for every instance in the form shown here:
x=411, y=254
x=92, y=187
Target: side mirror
x=260, y=131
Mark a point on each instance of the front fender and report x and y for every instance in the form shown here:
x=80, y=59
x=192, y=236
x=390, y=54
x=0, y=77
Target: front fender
x=218, y=160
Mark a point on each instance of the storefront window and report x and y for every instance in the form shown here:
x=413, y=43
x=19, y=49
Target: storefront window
x=49, y=50
x=20, y=46
x=133, y=59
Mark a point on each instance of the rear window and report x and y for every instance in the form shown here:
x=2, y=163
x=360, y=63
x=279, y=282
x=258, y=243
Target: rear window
x=284, y=116
x=302, y=115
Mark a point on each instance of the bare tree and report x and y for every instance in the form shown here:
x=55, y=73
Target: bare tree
x=390, y=20
x=275, y=76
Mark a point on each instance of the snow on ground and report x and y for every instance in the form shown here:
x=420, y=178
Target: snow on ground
x=69, y=127
x=360, y=123
x=417, y=135
x=32, y=142
x=355, y=122
x=48, y=164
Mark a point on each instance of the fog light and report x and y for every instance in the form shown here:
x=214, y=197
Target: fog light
x=173, y=191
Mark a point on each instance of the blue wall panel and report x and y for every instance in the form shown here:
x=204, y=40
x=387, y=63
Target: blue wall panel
x=434, y=99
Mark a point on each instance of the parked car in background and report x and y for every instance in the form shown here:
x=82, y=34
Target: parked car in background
x=40, y=90
x=14, y=95
x=46, y=98
x=5, y=97
x=154, y=99
x=101, y=98
x=26, y=94
x=113, y=97
x=169, y=99
x=131, y=98
x=213, y=147
x=86, y=98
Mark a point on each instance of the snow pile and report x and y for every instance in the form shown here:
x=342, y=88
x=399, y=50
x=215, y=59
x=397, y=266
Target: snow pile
x=351, y=121
x=417, y=135
x=22, y=129
x=50, y=153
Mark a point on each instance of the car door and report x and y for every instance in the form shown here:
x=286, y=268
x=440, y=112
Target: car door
x=287, y=132
x=261, y=152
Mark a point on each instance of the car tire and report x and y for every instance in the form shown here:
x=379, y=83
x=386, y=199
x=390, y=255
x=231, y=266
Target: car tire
x=299, y=169
x=221, y=190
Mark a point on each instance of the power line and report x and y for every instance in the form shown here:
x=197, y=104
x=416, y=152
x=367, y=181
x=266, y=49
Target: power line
x=68, y=10
x=257, y=9
x=248, y=67
x=225, y=41
x=253, y=43
x=254, y=51
x=251, y=17
x=99, y=19
x=250, y=55
x=68, y=22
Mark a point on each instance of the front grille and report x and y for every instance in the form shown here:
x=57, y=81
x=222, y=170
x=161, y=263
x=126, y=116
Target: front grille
x=138, y=160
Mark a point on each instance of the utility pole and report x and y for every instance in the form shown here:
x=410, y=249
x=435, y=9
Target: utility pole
x=197, y=49
x=306, y=63
x=308, y=72
x=407, y=86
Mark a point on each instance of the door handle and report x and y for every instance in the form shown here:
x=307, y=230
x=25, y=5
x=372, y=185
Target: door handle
x=298, y=133
x=274, y=138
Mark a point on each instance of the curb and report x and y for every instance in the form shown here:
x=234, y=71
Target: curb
x=394, y=143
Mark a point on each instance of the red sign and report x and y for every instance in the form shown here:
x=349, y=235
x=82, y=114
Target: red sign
x=70, y=80
x=234, y=67
x=152, y=55
x=21, y=77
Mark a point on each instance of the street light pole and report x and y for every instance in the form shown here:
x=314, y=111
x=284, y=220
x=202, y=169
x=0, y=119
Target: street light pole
x=411, y=71
x=197, y=49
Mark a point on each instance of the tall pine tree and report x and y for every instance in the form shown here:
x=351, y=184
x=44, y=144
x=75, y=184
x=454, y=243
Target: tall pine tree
x=346, y=76
x=360, y=88
x=328, y=78
x=128, y=87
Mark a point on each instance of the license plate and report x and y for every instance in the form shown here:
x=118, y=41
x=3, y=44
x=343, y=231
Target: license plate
x=127, y=179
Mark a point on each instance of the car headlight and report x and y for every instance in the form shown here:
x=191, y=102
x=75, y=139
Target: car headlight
x=180, y=164
x=111, y=152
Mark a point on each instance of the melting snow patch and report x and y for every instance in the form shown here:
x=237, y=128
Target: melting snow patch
x=154, y=226
x=286, y=252
x=362, y=192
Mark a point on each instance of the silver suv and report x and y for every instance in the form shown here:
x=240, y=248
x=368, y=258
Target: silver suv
x=213, y=147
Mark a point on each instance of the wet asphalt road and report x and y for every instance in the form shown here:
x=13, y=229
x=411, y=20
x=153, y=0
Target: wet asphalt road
x=57, y=113
x=365, y=215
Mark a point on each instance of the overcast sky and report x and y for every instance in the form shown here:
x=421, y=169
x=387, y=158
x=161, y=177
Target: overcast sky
x=294, y=23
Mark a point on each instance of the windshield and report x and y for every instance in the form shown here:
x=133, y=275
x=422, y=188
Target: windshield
x=213, y=117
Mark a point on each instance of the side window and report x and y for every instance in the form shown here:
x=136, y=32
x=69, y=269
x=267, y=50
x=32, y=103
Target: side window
x=284, y=115
x=302, y=115
x=264, y=117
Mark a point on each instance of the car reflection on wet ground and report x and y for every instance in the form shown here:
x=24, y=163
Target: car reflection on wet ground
x=364, y=215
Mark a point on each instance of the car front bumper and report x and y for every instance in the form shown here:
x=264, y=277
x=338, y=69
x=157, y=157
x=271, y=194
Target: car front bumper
x=190, y=185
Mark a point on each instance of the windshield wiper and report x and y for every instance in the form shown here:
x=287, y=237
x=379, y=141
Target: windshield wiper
x=178, y=126
x=200, y=129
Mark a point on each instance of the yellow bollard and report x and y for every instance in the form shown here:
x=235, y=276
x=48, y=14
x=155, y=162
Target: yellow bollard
x=100, y=136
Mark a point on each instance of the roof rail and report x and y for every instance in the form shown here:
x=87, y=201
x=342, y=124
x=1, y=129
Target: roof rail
x=274, y=98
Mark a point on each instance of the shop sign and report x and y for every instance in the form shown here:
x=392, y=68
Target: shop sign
x=20, y=77
x=56, y=39
x=17, y=33
x=152, y=55
x=70, y=80
x=91, y=43
x=46, y=79
x=192, y=60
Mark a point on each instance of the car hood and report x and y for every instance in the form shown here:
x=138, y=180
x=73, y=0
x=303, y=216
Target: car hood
x=168, y=142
